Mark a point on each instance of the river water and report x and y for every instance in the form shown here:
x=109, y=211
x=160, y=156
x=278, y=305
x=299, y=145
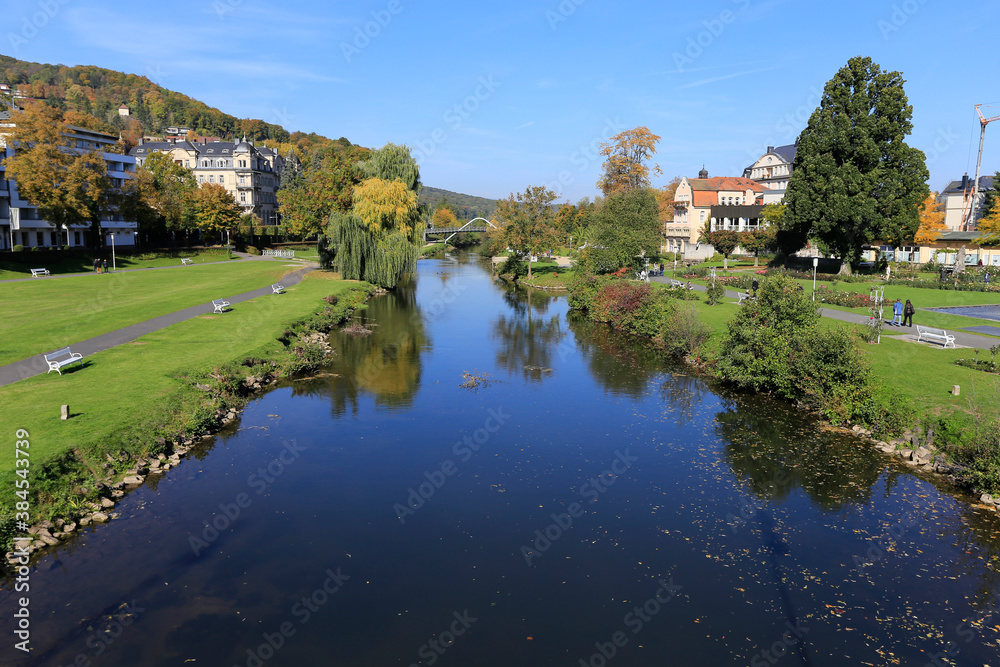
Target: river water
x=487, y=479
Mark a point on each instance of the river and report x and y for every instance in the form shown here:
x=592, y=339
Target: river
x=488, y=479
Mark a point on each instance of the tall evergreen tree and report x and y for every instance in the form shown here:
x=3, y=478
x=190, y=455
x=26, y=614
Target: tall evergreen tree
x=855, y=181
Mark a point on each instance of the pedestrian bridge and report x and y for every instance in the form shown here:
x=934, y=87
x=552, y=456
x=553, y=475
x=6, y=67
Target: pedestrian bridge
x=471, y=226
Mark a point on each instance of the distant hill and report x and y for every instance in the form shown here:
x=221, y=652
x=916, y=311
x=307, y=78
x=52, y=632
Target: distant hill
x=466, y=207
x=95, y=94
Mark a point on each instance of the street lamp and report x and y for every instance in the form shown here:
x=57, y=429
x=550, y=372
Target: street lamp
x=815, y=264
x=114, y=267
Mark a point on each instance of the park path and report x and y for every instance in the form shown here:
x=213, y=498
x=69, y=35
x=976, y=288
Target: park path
x=36, y=365
x=962, y=338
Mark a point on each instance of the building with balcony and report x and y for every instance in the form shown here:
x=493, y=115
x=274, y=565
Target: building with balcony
x=250, y=173
x=20, y=222
x=723, y=202
x=773, y=169
x=957, y=198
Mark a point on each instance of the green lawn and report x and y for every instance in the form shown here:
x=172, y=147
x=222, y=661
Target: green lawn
x=18, y=265
x=45, y=315
x=119, y=390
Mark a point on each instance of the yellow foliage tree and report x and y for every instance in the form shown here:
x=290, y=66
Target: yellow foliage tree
x=665, y=199
x=931, y=221
x=443, y=218
x=385, y=206
x=625, y=168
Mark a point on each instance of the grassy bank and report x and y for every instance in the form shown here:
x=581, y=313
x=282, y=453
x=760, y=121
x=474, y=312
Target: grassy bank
x=45, y=315
x=17, y=265
x=130, y=399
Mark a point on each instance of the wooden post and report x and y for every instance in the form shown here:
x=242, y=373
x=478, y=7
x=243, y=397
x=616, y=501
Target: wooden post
x=65, y=412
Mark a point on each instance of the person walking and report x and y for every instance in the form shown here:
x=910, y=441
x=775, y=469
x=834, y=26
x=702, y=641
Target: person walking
x=897, y=313
x=755, y=285
x=908, y=311
x=104, y=266
x=97, y=265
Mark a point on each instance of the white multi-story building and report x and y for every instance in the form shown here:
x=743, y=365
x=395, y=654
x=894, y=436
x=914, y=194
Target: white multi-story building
x=773, y=169
x=20, y=223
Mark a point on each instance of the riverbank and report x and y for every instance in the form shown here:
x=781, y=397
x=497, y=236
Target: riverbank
x=140, y=402
x=899, y=393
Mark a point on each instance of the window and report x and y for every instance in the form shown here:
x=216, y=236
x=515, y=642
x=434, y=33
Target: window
x=76, y=238
x=39, y=239
x=242, y=180
x=187, y=164
x=211, y=179
x=201, y=179
x=243, y=197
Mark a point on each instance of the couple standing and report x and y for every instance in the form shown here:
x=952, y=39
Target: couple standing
x=902, y=314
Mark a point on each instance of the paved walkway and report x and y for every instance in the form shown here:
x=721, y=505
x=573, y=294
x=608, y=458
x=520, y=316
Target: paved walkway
x=36, y=365
x=962, y=338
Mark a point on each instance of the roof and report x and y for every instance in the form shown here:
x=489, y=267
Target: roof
x=719, y=183
x=985, y=183
x=786, y=153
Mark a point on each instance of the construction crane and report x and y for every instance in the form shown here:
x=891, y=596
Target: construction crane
x=983, y=122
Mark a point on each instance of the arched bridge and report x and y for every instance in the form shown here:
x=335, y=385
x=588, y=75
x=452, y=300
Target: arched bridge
x=470, y=226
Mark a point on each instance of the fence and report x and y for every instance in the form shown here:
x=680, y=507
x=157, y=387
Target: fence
x=268, y=252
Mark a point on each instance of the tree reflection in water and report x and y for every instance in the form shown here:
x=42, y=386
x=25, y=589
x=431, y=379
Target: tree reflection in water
x=527, y=341
x=775, y=450
x=385, y=363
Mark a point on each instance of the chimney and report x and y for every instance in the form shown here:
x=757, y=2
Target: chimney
x=770, y=149
x=965, y=181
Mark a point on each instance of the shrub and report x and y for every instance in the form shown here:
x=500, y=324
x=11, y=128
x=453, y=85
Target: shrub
x=35, y=248
x=18, y=248
x=251, y=250
x=716, y=291
x=684, y=332
x=845, y=299
x=583, y=288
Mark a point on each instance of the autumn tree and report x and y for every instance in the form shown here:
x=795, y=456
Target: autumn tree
x=377, y=240
x=325, y=186
x=443, y=218
x=68, y=185
x=931, y=220
x=625, y=166
x=168, y=189
x=214, y=209
x=524, y=222
x=665, y=199
x=855, y=181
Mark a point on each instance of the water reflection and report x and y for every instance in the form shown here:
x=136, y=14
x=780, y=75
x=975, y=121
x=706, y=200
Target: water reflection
x=776, y=451
x=527, y=340
x=384, y=363
x=621, y=363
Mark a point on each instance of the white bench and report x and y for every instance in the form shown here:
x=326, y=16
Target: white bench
x=220, y=305
x=676, y=283
x=745, y=297
x=56, y=360
x=277, y=289
x=939, y=335
x=39, y=272
x=186, y=260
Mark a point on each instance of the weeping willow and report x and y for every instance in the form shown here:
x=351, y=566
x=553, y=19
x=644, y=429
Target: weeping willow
x=377, y=240
x=378, y=256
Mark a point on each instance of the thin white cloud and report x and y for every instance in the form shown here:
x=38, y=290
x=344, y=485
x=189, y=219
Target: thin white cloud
x=524, y=125
x=705, y=82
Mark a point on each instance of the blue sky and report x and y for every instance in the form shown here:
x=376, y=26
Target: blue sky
x=496, y=96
